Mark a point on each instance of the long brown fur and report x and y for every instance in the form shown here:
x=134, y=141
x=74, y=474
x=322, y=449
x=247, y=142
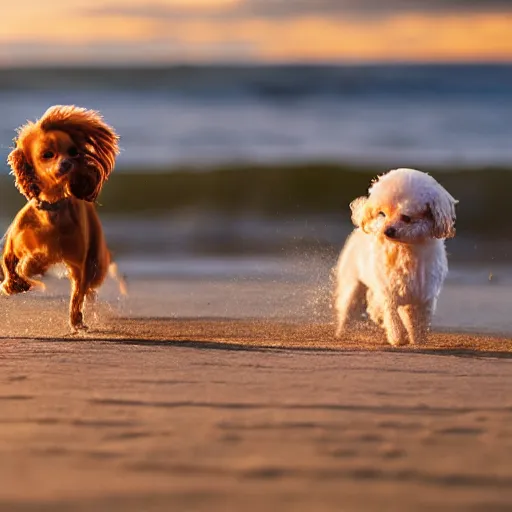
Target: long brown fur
x=60, y=164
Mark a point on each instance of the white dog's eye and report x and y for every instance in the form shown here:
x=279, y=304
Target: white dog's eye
x=382, y=214
x=405, y=218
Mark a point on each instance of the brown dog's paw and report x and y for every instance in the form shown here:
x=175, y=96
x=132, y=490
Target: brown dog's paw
x=79, y=328
x=76, y=322
x=12, y=287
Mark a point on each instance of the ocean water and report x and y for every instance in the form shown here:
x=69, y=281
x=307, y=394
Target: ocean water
x=449, y=116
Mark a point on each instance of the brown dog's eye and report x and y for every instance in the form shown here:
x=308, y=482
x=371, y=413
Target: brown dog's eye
x=48, y=154
x=382, y=214
x=73, y=151
x=406, y=219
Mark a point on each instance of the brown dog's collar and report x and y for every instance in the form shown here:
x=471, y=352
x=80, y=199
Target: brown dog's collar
x=47, y=206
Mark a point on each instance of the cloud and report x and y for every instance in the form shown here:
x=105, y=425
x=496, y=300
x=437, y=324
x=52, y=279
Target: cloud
x=286, y=9
x=292, y=8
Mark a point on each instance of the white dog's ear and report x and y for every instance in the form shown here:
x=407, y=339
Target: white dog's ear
x=358, y=211
x=443, y=213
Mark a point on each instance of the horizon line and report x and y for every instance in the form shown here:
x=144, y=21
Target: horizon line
x=248, y=64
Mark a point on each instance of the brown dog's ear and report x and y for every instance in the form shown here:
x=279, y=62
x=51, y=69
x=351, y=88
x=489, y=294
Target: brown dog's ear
x=24, y=174
x=96, y=140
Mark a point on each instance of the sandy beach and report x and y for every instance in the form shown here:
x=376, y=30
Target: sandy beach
x=219, y=394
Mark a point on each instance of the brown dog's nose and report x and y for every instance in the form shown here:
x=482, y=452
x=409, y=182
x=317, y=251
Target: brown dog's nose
x=390, y=232
x=66, y=166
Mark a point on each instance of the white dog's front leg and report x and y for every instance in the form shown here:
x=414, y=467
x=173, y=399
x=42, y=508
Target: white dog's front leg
x=394, y=327
x=349, y=303
x=416, y=319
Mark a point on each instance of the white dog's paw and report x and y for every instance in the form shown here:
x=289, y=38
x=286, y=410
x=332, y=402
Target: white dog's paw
x=398, y=342
x=344, y=328
x=419, y=341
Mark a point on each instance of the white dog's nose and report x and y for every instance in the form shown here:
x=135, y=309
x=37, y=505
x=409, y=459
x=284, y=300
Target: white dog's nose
x=390, y=232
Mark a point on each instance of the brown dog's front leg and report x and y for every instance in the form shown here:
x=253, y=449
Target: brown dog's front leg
x=13, y=283
x=76, y=305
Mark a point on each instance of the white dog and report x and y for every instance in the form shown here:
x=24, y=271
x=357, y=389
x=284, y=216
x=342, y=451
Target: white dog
x=395, y=259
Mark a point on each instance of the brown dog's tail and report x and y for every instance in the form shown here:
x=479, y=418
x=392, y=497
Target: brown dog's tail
x=114, y=273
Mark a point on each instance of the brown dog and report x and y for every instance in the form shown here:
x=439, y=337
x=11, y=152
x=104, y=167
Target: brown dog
x=60, y=164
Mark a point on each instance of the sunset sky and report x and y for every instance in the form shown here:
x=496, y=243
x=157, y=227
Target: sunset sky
x=133, y=31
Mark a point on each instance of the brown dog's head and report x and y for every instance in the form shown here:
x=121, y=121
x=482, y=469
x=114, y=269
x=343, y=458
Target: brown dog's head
x=69, y=151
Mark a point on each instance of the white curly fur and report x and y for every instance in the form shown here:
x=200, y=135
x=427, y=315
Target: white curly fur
x=395, y=259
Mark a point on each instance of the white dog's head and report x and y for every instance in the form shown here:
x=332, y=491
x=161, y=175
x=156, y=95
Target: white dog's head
x=406, y=206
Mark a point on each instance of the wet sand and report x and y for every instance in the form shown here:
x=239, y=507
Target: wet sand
x=169, y=403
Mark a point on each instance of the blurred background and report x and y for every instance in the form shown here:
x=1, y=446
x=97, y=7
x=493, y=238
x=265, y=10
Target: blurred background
x=247, y=126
